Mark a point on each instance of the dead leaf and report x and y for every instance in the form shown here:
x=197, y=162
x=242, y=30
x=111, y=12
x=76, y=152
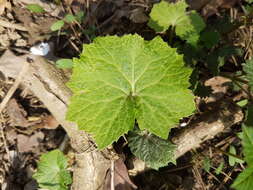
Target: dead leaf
x=29, y=144
x=17, y=114
x=197, y=4
x=219, y=86
x=11, y=136
x=121, y=177
x=68, y=2
x=37, y=28
x=49, y=122
x=212, y=7
x=135, y=166
x=3, y=4
x=8, y=62
x=138, y=15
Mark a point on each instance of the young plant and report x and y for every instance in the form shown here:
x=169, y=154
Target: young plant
x=119, y=81
x=186, y=24
x=52, y=173
x=68, y=19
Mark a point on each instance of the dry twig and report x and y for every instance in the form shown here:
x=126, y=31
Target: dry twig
x=15, y=86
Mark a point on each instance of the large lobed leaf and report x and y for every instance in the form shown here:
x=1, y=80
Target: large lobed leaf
x=52, y=171
x=188, y=25
x=118, y=80
x=245, y=180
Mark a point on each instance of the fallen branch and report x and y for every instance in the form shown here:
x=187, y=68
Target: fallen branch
x=207, y=126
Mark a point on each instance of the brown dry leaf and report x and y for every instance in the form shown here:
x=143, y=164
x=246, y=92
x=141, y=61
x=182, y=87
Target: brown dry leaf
x=219, y=86
x=37, y=28
x=29, y=144
x=8, y=63
x=17, y=114
x=197, y=4
x=138, y=15
x=212, y=6
x=68, y=2
x=3, y=4
x=11, y=136
x=135, y=166
x=48, y=6
x=49, y=122
x=121, y=177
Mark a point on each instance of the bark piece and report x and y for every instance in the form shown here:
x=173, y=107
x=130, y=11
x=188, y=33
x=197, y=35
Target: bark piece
x=206, y=126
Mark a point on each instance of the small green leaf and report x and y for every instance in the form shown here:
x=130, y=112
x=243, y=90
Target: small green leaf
x=52, y=171
x=207, y=164
x=80, y=16
x=249, y=1
x=247, y=9
x=57, y=25
x=245, y=180
x=210, y=38
x=187, y=25
x=35, y=8
x=217, y=58
x=64, y=63
x=247, y=143
x=164, y=14
x=239, y=135
x=154, y=151
x=231, y=159
x=249, y=116
x=219, y=169
x=248, y=69
x=242, y=102
x=118, y=80
x=69, y=18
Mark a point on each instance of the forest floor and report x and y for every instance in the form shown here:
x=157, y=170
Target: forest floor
x=28, y=129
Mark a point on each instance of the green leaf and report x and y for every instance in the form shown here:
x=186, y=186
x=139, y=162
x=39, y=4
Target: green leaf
x=247, y=143
x=207, y=164
x=247, y=9
x=57, y=25
x=231, y=159
x=249, y=1
x=69, y=18
x=219, y=169
x=154, y=151
x=210, y=38
x=245, y=180
x=248, y=69
x=52, y=171
x=201, y=90
x=35, y=8
x=242, y=103
x=80, y=16
x=64, y=63
x=218, y=57
x=249, y=116
x=163, y=15
x=118, y=80
x=187, y=25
